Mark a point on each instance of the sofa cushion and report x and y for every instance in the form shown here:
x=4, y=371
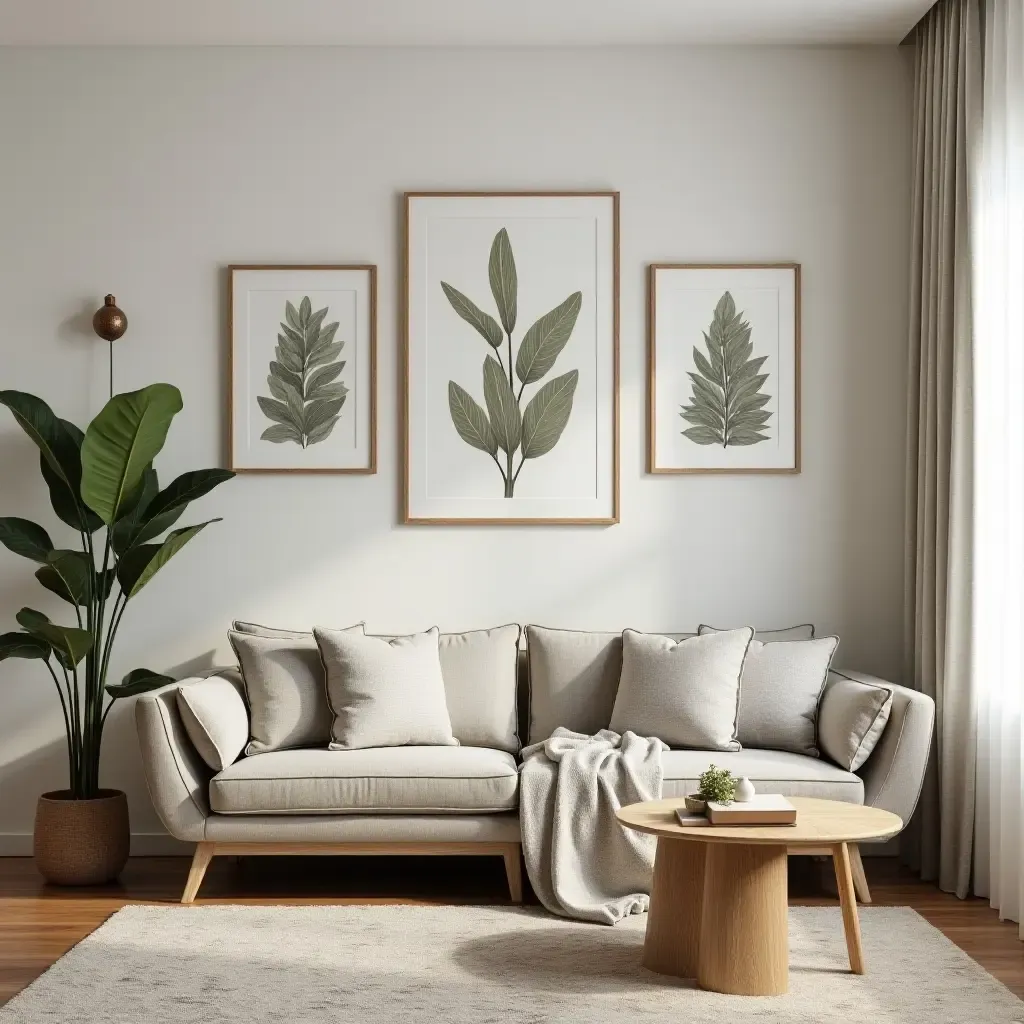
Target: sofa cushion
x=769, y=636
x=686, y=693
x=384, y=693
x=574, y=676
x=479, y=669
x=771, y=771
x=286, y=690
x=215, y=717
x=853, y=716
x=393, y=780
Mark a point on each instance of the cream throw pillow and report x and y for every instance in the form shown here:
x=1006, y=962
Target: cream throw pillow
x=852, y=719
x=287, y=692
x=215, y=717
x=684, y=693
x=384, y=693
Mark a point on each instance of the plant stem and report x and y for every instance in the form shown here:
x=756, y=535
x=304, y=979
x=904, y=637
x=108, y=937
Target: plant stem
x=501, y=470
x=510, y=384
x=522, y=462
x=67, y=721
x=725, y=399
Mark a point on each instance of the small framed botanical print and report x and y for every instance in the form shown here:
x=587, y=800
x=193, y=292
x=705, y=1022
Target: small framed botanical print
x=303, y=369
x=724, y=368
x=511, y=369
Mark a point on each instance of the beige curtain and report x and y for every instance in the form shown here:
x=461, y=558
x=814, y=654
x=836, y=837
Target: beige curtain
x=947, y=99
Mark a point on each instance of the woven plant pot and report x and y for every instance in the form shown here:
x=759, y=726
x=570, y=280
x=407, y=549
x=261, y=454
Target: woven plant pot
x=81, y=842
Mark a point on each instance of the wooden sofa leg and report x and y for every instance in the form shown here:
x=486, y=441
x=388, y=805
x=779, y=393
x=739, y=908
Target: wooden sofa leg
x=200, y=862
x=860, y=880
x=514, y=871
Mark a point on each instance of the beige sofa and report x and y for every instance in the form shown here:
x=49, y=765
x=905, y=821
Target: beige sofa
x=464, y=799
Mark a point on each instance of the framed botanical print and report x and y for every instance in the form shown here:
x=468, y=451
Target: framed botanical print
x=511, y=358
x=303, y=373
x=724, y=368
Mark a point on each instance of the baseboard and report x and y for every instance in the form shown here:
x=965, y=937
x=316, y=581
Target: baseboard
x=144, y=844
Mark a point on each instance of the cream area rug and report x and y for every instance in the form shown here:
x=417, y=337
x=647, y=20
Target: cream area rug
x=477, y=965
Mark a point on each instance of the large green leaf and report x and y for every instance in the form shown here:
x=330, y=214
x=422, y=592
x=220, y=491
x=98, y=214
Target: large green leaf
x=68, y=574
x=485, y=324
x=25, y=538
x=142, y=563
x=470, y=420
x=67, y=500
x=502, y=407
x=547, y=414
x=23, y=645
x=121, y=442
x=59, y=444
x=501, y=271
x=72, y=643
x=139, y=680
x=163, y=509
x=546, y=338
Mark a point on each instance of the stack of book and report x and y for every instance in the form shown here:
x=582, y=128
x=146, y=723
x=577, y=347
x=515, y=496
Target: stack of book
x=761, y=809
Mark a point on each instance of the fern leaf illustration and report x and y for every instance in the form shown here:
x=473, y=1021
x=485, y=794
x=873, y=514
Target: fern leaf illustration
x=305, y=394
x=726, y=404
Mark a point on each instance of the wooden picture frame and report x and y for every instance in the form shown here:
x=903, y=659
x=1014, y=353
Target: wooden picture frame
x=782, y=359
x=353, y=448
x=463, y=246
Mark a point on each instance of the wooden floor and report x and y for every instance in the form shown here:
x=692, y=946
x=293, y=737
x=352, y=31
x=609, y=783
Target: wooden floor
x=38, y=924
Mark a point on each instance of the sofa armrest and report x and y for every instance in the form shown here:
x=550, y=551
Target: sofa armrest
x=894, y=773
x=177, y=777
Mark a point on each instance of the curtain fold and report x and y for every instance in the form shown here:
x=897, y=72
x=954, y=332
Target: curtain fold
x=938, y=613
x=998, y=217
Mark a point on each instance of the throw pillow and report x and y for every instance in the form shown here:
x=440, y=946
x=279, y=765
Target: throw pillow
x=384, y=693
x=286, y=689
x=780, y=688
x=685, y=693
x=853, y=717
x=215, y=717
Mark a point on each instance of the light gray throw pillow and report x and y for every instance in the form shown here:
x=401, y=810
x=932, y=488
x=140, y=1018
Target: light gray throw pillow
x=384, y=693
x=286, y=690
x=215, y=717
x=852, y=719
x=684, y=693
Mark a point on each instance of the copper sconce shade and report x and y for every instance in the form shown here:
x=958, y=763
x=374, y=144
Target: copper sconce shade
x=108, y=321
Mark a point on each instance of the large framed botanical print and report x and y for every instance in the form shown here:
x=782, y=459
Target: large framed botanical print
x=724, y=368
x=511, y=358
x=303, y=369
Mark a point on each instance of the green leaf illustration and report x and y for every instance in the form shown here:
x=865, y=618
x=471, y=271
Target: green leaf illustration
x=501, y=271
x=502, y=408
x=547, y=414
x=504, y=424
x=470, y=420
x=305, y=396
x=546, y=338
x=485, y=324
x=727, y=405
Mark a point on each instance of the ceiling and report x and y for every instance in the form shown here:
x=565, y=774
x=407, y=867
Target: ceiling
x=455, y=22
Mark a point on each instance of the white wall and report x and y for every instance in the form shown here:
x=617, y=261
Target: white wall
x=146, y=172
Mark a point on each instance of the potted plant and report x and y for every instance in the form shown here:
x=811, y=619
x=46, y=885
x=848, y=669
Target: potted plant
x=103, y=485
x=715, y=784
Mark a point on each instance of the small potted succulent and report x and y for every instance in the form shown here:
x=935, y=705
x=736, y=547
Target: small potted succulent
x=715, y=784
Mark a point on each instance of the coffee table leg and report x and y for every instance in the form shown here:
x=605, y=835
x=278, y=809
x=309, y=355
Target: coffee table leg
x=744, y=942
x=848, y=901
x=673, y=922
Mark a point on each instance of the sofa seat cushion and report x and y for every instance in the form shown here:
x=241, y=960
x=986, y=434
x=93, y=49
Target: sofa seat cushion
x=771, y=771
x=393, y=780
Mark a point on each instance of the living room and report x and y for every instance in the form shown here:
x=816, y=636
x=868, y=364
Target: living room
x=566, y=436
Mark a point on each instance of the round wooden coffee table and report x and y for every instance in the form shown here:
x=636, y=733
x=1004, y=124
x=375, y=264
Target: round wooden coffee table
x=720, y=897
